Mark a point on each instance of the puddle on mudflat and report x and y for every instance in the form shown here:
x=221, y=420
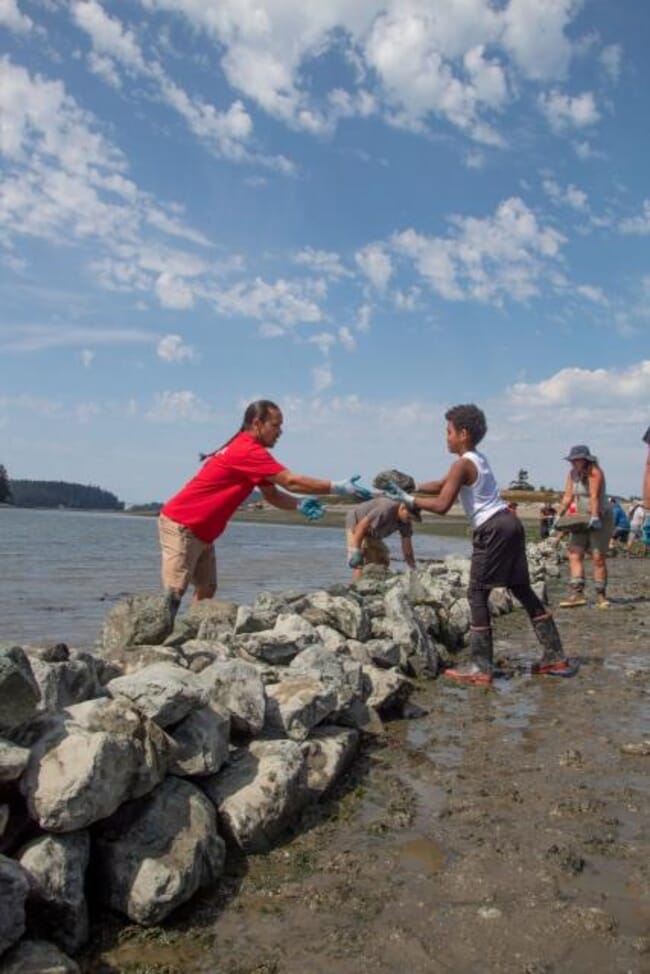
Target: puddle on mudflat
x=422, y=854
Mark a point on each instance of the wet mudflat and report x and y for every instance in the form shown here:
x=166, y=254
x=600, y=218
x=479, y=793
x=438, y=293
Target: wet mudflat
x=506, y=831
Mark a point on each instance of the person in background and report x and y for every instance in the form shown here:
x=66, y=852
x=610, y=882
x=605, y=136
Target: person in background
x=585, y=488
x=498, y=548
x=197, y=515
x=636, y=515
x=547, y=515
x=367, y=524
x=621, y=522
x=646, y=484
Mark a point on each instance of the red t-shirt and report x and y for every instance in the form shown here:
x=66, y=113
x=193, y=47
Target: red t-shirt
x=207, y=502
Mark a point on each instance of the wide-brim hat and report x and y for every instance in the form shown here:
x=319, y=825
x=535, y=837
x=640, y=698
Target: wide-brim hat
x=581, y=452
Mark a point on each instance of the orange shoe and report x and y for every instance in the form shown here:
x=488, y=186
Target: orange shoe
x=557, y=667
x=470, y=673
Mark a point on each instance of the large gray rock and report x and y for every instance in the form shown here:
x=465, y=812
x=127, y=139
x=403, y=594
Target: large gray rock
x=19, y=692
x=248, y=620
x=344, y=614
x=202, y=620
x=13, y=760
x=276, y=648
x=14, y=886
x=87, y=760
x=260, y=793
x=328, y=752
x=37, y=957
x=201, y=739
x=296, y=704
x=165, y=692
x=156, y=853
x=390, y=689
x=455, y=623
x=56, y=904
x=237, y=688
x=136, y=620
x=65, y=683
x=342, y=675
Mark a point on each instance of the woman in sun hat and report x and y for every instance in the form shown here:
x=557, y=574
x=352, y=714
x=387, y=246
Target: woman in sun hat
x=585, y=487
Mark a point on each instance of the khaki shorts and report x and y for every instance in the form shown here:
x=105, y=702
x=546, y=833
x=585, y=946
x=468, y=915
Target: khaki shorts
x=584, y=541
x=186, y=560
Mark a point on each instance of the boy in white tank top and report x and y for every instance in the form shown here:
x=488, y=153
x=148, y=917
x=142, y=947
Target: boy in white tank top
x=498, y=552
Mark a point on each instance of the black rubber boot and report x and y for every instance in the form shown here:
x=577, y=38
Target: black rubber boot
x=479, y=670
x=549, y=638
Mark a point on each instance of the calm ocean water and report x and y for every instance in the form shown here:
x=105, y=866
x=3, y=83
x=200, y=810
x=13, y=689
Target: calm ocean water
x=60, y=571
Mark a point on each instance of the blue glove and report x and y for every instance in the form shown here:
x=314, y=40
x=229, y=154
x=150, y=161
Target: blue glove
x=595, y=524
x=350, y=488
x=312, y=508
x=397, y=494
x=355, y=559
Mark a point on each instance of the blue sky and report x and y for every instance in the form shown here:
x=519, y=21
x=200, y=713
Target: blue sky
x=366, y=211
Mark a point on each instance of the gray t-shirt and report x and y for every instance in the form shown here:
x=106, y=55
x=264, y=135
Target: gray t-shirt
x=382, y=516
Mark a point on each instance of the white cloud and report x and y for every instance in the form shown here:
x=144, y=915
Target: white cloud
x=347, y=339
x=322, y=261
x=87, y=356
x=109, y=38
x=183, y=406
x=173, y=292
x=639, y=225
x=324, y=341
x=501, y=257
x=171, y=349
x=364, y=316
x=283, y=302
x=593, y=294
x=36, y=338
x=571, y=195
x=12, y=18
x=565, y=111
x=456, y=59
x=322, y=378
x=586, y=387
x=375, y=264
x=611, y=57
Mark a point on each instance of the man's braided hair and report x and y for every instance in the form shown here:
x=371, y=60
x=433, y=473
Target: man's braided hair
x=403, y=480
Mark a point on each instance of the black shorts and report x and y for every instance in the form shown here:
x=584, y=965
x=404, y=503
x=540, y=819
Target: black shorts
x=499, y=553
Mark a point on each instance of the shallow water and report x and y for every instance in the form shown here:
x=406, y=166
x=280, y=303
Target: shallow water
x=60, y=571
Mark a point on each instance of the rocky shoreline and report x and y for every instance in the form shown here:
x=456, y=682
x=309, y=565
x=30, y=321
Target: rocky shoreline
x=129, y=775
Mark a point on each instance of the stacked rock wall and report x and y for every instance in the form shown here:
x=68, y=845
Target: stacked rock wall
x=126, y=774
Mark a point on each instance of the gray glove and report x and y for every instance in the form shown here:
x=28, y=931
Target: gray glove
x=397, y=494
x=595, y=524
x=350, y=488
x=355, y=559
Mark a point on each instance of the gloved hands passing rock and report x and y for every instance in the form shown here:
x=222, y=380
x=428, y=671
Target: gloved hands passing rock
x=312, y=508
x=351, y=488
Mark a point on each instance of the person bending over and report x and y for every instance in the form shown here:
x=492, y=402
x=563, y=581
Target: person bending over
x=193, y=518
x=369, y=523
x=498, y=548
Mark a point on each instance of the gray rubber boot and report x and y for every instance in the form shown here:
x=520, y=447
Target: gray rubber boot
x=479, y=669
x=481, y=648
x=549, y=638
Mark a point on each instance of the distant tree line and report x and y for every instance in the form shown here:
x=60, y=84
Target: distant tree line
x=5, y=489
x=57, y=493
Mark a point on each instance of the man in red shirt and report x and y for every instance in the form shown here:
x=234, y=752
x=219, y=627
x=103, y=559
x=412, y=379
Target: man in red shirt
x=190, y=521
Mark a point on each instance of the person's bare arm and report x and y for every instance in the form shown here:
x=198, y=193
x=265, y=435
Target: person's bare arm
x=595, y=487
x=430, y=486
x=460, y=473
x=360, y=532
x=407, y=552
x=646, y=484
x=565, y=503
x=278, y=498
x=297, y=483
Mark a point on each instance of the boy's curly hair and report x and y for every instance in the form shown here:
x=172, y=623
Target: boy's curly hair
x=468, y=417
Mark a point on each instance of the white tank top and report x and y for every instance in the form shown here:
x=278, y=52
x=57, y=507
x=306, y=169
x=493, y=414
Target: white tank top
x=481, y=499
